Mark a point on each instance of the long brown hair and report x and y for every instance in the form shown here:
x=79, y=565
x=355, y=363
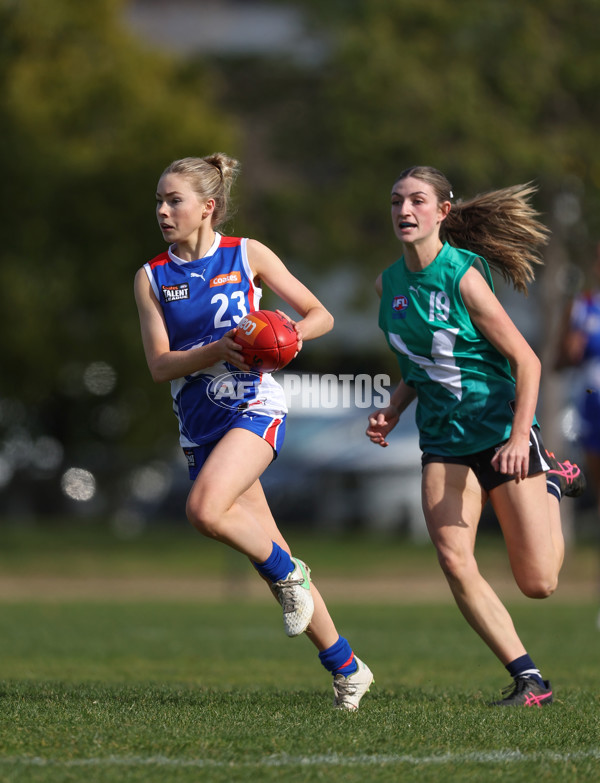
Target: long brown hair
x=501, y=225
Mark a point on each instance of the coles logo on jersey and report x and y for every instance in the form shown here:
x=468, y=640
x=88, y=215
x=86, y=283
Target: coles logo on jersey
x=230, y=277
x=175, y=293
x=400, y=305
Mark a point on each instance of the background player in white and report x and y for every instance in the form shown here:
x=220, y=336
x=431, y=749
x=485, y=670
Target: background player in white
x=188, y=335
x=469, y=368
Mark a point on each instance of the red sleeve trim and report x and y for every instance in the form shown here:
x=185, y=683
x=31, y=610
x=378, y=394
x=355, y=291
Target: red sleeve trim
x=230, y=241
x=159, y=260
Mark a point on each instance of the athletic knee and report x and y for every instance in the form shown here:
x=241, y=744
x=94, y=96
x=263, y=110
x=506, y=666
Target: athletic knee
x=534, y=586
x=456, y=565
x=204, y=516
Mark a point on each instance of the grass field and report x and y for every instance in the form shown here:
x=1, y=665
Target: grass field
x=99, y=684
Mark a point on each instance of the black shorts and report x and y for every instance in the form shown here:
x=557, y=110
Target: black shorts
x=481, y=462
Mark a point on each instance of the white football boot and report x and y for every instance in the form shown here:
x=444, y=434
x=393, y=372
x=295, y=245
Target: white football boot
x=293, y=593
x=348, y=691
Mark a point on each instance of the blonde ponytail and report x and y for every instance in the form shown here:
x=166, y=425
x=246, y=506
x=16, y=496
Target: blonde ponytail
x=211, y=177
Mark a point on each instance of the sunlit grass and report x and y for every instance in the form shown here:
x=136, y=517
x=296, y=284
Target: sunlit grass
x=166, y=690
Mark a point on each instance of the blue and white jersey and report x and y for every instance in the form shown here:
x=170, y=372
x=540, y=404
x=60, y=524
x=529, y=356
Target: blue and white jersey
x=585, y=388
x=585, y=317
x=202, y=300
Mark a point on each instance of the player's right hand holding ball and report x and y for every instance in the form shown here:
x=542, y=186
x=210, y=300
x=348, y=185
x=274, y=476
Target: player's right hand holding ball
x=231, y=351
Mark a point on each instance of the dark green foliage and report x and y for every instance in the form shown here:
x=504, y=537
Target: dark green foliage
x=494, y=93
x=88, y=125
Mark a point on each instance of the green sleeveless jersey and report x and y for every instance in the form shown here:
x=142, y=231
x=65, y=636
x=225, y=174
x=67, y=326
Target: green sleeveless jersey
x=464, y=385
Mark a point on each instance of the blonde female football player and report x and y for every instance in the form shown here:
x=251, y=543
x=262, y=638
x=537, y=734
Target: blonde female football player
x=476, y=382
x=190, y=299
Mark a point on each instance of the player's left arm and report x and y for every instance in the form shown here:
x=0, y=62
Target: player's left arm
x=494, y=323
x=270, y=269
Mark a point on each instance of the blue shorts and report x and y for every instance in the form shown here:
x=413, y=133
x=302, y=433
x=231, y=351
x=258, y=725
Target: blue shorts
x=481, y=462
x=269, y=428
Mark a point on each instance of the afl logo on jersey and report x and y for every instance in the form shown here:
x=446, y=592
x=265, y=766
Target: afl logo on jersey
x=175, y=293
x=400, y=305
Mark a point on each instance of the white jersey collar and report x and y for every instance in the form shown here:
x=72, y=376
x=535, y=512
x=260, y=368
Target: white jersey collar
x=213, y=249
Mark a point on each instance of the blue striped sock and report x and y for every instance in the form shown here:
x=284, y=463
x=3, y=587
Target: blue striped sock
x=277, y=566
x=553, y=486
x=524, y=667
x=339, y=658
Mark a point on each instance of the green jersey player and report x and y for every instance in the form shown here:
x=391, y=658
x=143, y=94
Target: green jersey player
x=476, y=383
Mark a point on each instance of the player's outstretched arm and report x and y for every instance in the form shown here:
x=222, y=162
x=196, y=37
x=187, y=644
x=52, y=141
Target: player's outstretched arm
x=269, y=268
x=383, y=421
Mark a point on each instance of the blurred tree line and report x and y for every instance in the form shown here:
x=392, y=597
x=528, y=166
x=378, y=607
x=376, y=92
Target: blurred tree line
x=493, y=93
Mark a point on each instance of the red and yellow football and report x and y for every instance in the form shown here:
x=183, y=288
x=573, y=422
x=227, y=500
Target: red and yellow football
x=269, y=341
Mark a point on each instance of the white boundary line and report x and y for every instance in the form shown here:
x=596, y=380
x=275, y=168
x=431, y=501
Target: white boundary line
x=329, y=760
